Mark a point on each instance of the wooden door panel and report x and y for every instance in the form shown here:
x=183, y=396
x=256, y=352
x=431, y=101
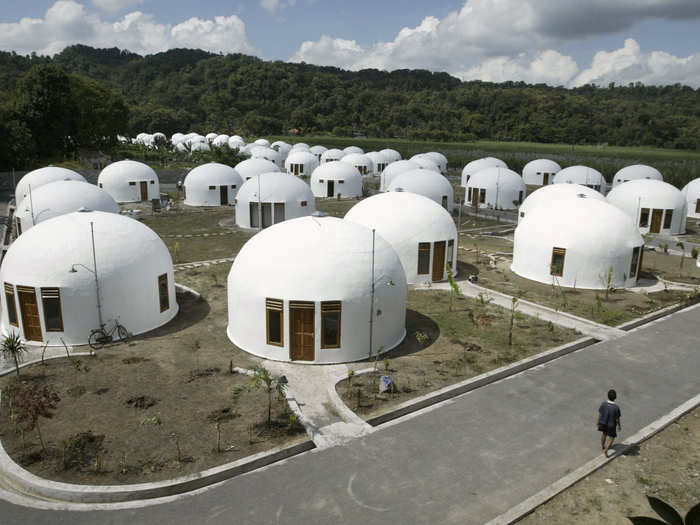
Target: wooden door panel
x=331, y=188
x=438, y=260
x=475, y=197
x=30, y=314
x=223, y=192
x=144, y=190
x=302, y=338
x=656, y=216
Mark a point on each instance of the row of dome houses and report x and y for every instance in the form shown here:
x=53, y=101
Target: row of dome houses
x=79, y=261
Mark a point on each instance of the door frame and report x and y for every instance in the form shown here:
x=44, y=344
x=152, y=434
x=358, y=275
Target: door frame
x=223, y=195
x=654, y=215
x=296, y=350
x=23, y=291
x=443, y=248
x=330, y=188
x=144, y=193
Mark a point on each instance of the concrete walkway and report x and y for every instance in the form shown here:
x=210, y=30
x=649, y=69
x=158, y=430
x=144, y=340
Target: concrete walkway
x=466, y=462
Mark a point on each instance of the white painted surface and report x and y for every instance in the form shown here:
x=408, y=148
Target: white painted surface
x=318, y=150
x=479, y=164
x=347, y=180
x=250, y=168
x=391, y=154
x=42, y=176
x=325, y=259
x=554, y=193
x=379, y=162
x=404, y=220
x=691, y=192
x=439, y=159
x=203, y=184
x=122, y=180
x=653, y=194
x=130, y=258
x=275, y=187
x=353, y=149
x=534, y=172
x=635, y=172
x=306, y=161
x=505, y=189
x=595, y=234
x=395, y=169
x=61, y=197
x=425, y=162
x=361, y=161
x=428, y=183
x=263, y=152
x=582, y=175
x=263, y=142
x=332, y=155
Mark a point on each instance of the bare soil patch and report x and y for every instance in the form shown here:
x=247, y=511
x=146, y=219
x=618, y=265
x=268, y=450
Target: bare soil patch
x=668, y=267
x=667, y=466
x=443, y=347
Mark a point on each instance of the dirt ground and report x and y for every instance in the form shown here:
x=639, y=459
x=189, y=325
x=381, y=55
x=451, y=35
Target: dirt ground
x=444, y=347
x=668, y=267
x=667, y=466
x=183, y=367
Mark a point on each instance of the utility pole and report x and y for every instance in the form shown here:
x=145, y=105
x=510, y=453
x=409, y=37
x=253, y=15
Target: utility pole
x=371, y=300
x=31, y=203
x=260, y=224
x=97, y=281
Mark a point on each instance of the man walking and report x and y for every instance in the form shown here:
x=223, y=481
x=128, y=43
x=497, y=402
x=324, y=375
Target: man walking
x=608, y=421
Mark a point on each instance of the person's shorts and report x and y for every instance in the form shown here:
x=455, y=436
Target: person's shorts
x=608, y=431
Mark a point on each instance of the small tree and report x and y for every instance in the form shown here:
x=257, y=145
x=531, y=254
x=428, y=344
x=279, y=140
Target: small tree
x=456, y=291
x=262, y=378
x=608, y=282
x=513, y=304
x=682, y=247
x=37, y=401
x=13, y=347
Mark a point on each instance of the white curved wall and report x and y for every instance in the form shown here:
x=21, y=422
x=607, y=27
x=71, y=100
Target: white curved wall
x=654, y=206
x=554, y=193
x=301, y=163
x=209, y=184
x=250, y=168
x=394, y=170
x=691, y=192
x=129, y=181
x=498, y=188
x=635, y=172
x=582, y=175
x=428, y=183
x=336, y=180
x=325, y=259
x=540, y=172
x=41, y=176
x=480, y=164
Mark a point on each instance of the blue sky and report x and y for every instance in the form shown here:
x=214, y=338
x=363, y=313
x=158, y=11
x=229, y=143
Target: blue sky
x=560, y=42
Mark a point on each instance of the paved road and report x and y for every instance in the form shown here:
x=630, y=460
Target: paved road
x=464, y=462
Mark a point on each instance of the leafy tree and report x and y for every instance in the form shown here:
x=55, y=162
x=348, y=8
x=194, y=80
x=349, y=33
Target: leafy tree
x=36, y=401
x=13, y=348
x=263, y=378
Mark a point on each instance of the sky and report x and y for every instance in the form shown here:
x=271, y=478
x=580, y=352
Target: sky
x=557, y=42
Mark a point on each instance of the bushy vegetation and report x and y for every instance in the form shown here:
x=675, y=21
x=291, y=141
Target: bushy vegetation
x=83, y=97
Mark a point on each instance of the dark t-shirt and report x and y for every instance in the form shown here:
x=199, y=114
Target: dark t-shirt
x=609, y=414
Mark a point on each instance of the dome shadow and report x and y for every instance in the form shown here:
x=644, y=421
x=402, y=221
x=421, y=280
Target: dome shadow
x=415, y=322
x=192, y=311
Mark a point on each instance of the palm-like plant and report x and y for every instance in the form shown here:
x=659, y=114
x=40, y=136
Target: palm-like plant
x=669, y=515
x=13, y=347
x=262, y=378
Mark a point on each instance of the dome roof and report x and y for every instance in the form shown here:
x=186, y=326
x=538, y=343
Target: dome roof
x=61, y=197
x=595, y=234
x=361, y=161
x=200, y=146
x=325, y=259
x=391, y=154
x=377, y=157
x=305, y=158
x=275, y=187
x=691, y=192
x=303, y=146
x=336, y=171
x=263, y=142
x=547, y=195
x=122, y=180
x=177, y=138
x=636, y=171
x=199, y=179
x=581, y=175
x=43, y=176
x=479, y=164
x=252, y=167
x=318, y=150
x=130, y=258
x=236, y=142
x=332, y=154
x=425, y=162
x=533, y=170
x=262, y=152
x=439, y=159
x=632, y=196
x=394, y=169
x=404, y=219
x=353, y=149
x=211, y=136
x=220, y=140
x=428, y=183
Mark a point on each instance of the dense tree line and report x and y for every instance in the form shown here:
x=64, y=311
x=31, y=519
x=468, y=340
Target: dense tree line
x=83, y=96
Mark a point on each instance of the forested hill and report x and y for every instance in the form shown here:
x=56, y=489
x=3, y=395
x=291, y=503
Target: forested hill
x=183, y=90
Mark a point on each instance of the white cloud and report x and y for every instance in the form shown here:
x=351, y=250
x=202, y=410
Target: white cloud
x=113, y=6
x=273, y=5
x=67, y=22
x=502, y=40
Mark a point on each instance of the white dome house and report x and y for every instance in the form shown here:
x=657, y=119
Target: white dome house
x=428, y=183
x=220, y=141
x=300, y=146
x=331, y=155
x=262, y=142
x=691, y=192
x=59, y=198
x=391, y=154
x=316, y=307
x=261, y=152
x=361, y=161
x=575, y=243
x=272, y=198
x=498, y=188
x=318, y=150
x=582, y=175
x=425, y=162
x=480, y=164
x=395, y=169
x=540, y=172
x=301, y=163
x=336, y=180
x=423, y=234
x=47, y=175
x=379, y=162
x=129, y=181
x=353, y=149
x=654, y=205
x=236, y=142
x=282, y=148
x=439, y=159
x=635, y=172
x=554, y=193
x=212, y=184
x=52, y=288
x=250, y=168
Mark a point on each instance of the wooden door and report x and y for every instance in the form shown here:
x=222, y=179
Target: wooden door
x=697, y=206
x=331, y=188
x=438, y=260
x=223, y=192
x=279, y=212
x=266, y=214
x=301, y=326
x=656, y=216
x=475, y=197
x=144, y=190
x=545, y=179
x=30, y=313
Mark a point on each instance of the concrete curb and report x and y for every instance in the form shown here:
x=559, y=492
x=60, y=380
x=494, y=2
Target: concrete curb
x=187, y=289
x=658, y=314
x=530, y=504
x=346, y=414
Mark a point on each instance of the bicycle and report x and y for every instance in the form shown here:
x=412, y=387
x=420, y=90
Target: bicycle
x=102, y=336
